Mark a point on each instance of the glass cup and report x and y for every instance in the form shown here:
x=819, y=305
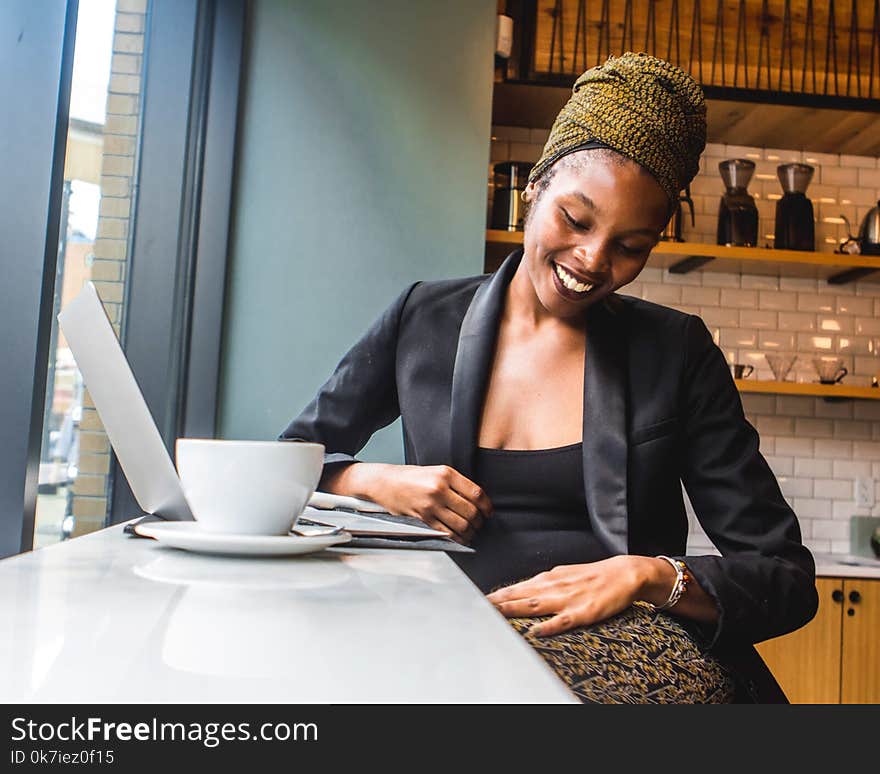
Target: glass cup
x=780, y=365
x=830, y=369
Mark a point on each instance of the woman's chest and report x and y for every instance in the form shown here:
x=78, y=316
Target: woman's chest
x=534, y=395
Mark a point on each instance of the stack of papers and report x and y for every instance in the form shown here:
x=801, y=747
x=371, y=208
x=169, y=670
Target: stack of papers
x=371, y=525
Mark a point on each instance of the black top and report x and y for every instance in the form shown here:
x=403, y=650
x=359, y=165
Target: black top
x=540, y=518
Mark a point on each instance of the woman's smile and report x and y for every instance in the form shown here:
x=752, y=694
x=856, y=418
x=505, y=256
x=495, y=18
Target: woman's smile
x=570, y=285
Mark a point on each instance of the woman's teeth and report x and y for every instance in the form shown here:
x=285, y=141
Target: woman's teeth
x=570, y=282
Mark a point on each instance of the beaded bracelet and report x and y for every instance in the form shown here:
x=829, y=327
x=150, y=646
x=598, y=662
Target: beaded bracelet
x=682, y=577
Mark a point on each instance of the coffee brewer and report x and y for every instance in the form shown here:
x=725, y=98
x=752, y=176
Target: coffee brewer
x=737, y=213
x=795, y=229
x=511, y=178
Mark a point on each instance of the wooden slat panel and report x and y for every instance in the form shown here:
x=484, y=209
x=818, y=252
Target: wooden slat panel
x=806, y=663
x=596, y=52
x=861, y=643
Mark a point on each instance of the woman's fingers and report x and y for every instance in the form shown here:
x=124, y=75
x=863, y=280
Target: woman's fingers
x=443, y=518
x=471, y=492
x=464, y=508
x=543, y=604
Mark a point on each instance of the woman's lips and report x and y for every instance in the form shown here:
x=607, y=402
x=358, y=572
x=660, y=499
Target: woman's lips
x=567, y=293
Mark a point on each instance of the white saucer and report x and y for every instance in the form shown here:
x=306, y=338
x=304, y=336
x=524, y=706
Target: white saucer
x=190, y=537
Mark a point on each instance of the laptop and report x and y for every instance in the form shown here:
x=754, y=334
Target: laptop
x=142, y=454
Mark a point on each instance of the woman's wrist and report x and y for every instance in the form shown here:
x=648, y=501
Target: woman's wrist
x=359, y=479
x=656, y=580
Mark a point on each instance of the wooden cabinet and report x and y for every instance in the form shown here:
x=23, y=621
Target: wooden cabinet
x=836, y=657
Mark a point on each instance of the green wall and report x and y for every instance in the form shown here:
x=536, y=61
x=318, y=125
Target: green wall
x=361, y=167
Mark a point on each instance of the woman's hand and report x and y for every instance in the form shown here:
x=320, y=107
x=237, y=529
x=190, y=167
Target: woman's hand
x=575, y=594
x=437, y=494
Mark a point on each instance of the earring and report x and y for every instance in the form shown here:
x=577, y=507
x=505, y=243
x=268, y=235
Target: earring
x=522, y=195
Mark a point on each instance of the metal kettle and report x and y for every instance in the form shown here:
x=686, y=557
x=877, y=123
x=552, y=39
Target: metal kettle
x=868, y=240
x=672, y=232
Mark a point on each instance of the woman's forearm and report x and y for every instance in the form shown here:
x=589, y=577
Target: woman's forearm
x=657, y=579
x=359, y=479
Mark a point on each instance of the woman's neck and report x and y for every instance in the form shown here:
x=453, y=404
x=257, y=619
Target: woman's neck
x=524, y=311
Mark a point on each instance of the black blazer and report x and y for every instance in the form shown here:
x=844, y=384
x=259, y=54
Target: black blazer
x=660, y=409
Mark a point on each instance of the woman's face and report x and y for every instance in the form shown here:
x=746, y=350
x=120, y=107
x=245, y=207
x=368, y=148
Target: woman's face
x=590, y=231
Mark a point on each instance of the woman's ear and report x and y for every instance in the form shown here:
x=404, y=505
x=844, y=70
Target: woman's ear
x=528, y=194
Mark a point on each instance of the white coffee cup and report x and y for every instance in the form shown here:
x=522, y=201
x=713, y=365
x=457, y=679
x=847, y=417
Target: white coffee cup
x=248, y=487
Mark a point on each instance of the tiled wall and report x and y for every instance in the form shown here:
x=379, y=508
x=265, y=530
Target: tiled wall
x=816, y=448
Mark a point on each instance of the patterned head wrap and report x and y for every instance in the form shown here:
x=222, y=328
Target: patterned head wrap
x=642, y=107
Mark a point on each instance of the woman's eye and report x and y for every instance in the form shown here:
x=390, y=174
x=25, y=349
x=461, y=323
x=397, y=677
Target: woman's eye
x=632, y=250
x=572, y=222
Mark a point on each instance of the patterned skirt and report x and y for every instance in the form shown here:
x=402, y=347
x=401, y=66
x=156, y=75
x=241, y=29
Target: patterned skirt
x=635, y=657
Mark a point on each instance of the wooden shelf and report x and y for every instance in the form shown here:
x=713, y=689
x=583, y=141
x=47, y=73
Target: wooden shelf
x=831, y=391
x=683, y=257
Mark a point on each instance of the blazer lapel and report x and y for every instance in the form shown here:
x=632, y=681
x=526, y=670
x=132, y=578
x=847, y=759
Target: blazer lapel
x=473, y=362
x=605, y=389
x=604, y=434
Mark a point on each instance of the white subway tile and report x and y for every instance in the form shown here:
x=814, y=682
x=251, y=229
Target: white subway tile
x=839, y=176
x=759, y=282
x=851, y=469
x=855, y=305
x=755, y=403
x=778, y=426
x=804, y=467
x=687, y=309
x=814, y=428
x=740, y=298
x=854, y=345
x=756, y=318
x=720, y=279
x=840, y=546
x=782, y=155
x=869, y=178
x=796, y=487
x=692, y=279
x=827, y=529
x=719, y=316
x=797, y=321
x=662, y=294
x=738, y=337
x=812, y=302
x=778, y=300
x=743, y=152
x=714, y=149
x=864, y=288
x=651, y=274
x=703, y=296
x=777, y=341
x=835, y=450
x=866, y=410
x=781, y=466
x=866, y=450
x=812, y=508
x=796, y=447
x=834, y=323
x=795, y=405
x=766, y=444
x=799, y=284
x=813, y=343
x=843, y=510
x=832, y=488
x=815, y=157
x=865, y=162
x=867, y=326
x=849, y=428
x=818, y=546
x=834, y=410
x=859, y=196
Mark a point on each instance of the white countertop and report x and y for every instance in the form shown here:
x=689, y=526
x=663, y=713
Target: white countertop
x=109, y=618
x=844, y=566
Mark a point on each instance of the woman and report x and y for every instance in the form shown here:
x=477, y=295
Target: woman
x=550, y=423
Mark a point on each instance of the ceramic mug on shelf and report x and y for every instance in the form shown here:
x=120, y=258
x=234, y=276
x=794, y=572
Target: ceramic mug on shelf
x=742, y=370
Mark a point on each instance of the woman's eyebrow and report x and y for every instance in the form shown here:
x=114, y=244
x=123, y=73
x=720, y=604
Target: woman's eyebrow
x=592, y=205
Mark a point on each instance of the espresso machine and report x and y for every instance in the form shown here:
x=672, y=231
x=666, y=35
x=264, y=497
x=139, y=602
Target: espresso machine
x=795, y=223
x=737, y=213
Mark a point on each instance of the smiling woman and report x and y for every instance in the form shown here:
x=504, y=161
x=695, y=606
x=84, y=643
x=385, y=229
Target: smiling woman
x=550, y=423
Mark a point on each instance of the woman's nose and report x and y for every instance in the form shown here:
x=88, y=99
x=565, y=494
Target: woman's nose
x=594, y=257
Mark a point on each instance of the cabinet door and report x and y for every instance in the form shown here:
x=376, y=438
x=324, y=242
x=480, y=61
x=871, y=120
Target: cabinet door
x=861, y=630
x=806, y=663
